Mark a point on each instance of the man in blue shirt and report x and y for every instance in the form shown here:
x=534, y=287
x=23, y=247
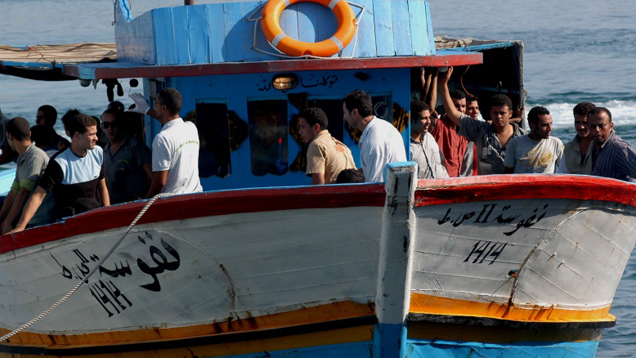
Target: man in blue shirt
x=612, y=157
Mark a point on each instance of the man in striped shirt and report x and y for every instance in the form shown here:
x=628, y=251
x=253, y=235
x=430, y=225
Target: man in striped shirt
x=612, y=157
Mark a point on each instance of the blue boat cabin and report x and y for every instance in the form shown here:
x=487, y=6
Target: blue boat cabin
x=245, y=100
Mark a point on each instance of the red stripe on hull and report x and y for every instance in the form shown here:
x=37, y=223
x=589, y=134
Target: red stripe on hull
x=510, y=187
x=200, y=205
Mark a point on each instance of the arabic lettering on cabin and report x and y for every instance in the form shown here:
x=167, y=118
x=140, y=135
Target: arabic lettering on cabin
x=311, y=80
x=163, y=257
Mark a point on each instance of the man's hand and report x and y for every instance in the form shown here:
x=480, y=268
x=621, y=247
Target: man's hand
x=141, y=106
x=444, y=77
x=518, y=114
x=318, y=178
x=17, y=229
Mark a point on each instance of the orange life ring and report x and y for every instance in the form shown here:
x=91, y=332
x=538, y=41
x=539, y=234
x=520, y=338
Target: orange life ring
x=275, y=35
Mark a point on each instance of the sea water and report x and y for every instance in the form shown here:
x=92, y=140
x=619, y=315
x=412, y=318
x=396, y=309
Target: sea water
x=575, y=50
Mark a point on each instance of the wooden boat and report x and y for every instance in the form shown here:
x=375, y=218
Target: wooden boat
x=508, y=266
x=505, y=266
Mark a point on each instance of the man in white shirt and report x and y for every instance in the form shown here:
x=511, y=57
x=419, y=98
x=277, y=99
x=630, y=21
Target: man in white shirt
x=175, y=150
x=424, y=149
x=380, y=143
x=536, y=152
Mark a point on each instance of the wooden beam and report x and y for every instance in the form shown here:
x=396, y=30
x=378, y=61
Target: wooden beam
x=107, y=71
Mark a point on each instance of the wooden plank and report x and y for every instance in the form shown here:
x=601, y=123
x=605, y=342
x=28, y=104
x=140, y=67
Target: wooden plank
x=234, y=31
x=135, y=41
x=401, y=29
x=165, y=50
x=307, y=21
x=289, y=21
x=216, y=24
x=327, y=24
x=247, y=41
x=430, y=37
x=102, y=71
x=417, y=14
x=383, y=28
x=366, y=31
x=349, y=49
x=261, y=41
x=199, y=39
x=181, y=34
x=144, y=32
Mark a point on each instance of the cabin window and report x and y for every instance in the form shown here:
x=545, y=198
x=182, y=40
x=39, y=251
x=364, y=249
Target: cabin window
x=214, y=134
x=382, y=106
x=268, y=136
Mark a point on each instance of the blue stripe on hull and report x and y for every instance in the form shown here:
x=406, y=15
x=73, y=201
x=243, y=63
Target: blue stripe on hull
x=345, y=350
x=455, y=349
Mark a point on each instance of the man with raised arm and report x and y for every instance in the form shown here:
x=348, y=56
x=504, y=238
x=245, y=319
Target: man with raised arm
x=380, y=143
x=452, y=145
x=491, y=138
x=74, y=176
x=31, y=163
x=175, y=150
x=612, y=157
x=537, y=152
x=326, y=156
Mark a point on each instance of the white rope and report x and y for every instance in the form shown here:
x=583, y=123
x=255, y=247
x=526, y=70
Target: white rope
x=281, y=54
x=85, y=279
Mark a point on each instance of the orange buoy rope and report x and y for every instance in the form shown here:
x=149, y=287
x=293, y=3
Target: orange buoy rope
x=284, y=43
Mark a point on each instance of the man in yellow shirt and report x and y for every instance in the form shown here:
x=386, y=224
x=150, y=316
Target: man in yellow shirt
x=326, y=156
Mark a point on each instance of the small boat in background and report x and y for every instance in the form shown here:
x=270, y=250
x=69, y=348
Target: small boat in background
x=262, y=265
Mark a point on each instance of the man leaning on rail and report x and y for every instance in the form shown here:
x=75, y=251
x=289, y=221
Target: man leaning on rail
x=81, y=184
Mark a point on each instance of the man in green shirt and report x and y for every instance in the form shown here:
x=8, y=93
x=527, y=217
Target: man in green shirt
x=32, y=162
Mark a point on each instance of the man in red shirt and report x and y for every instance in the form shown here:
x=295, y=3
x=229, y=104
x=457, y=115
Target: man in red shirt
x=452, y=145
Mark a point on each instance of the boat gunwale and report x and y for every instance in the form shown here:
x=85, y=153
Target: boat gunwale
x=213, y=203
x=524, y=186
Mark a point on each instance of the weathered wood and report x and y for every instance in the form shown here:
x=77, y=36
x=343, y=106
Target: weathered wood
x=100, y=71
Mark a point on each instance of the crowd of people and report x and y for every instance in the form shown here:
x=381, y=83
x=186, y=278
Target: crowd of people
x=106, y=162
x=469, y=146
x=457, y=143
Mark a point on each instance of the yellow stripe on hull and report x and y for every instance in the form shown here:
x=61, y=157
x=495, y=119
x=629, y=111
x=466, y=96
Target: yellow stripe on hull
x=434, y=305
x=361, y=333
x=297, y=318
